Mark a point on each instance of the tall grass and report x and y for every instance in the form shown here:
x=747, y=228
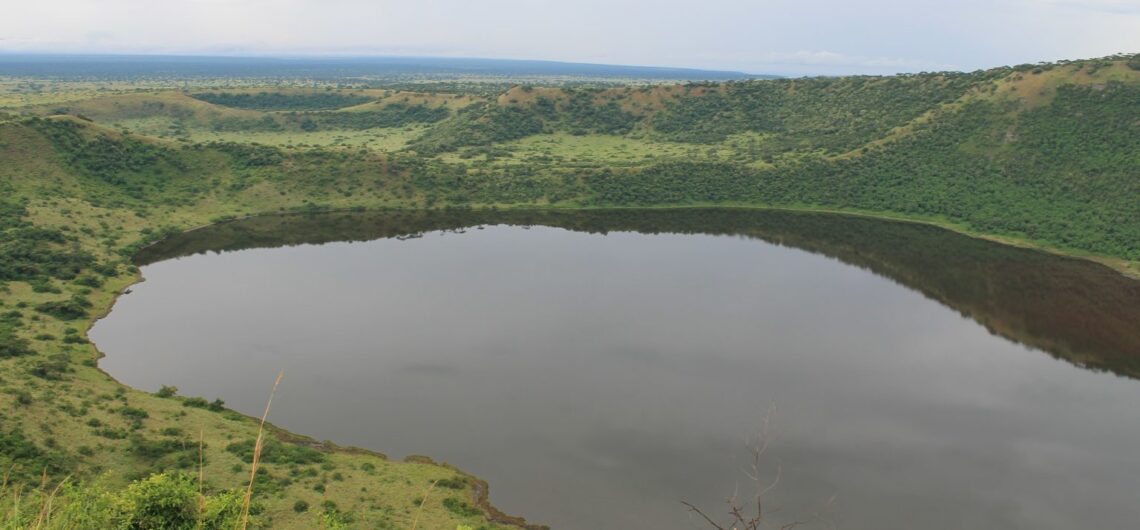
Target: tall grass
x=257, y=454
x=163, y=500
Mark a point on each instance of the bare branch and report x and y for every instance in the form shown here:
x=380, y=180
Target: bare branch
x=758, y=445
x=702, y=514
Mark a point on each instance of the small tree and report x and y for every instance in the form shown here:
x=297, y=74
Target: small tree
x=752, y=516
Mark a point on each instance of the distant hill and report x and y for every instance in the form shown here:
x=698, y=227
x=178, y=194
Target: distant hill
x=330, y=68
x=1046, y=153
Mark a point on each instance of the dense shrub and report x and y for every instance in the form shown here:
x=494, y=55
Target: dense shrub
x=170, y=502
x=69, y=309
x=391, y=115
x=30, y=253
x=195, y=402
x=461, y=508
x=276, y=452
x=11, y=345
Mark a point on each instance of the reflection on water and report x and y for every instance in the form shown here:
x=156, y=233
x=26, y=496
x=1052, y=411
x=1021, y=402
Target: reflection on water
x=595, y=381
x=1073, y=309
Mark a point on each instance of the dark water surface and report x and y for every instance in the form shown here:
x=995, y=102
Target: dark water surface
x=598, y=368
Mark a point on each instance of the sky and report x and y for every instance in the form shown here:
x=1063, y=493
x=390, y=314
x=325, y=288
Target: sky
x=787, y=37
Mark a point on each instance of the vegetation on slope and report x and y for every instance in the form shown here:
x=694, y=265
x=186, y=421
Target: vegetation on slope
x=78, y=203
x=1043, y=154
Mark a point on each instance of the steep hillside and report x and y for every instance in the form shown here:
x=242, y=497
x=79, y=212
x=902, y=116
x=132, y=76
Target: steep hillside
x=1041, y=155
x=1045, y=153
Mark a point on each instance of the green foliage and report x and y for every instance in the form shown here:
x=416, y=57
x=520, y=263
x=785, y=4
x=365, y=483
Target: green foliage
x=41, y=286
x=832, y=113
x=165, y=453
x=391, y=115
x=282, y=101
x=276, y=452
x=461, y=508
x=159, y=502
x=89, y=281
x=24, y=460
x=111, y=433
x=170, y=502
x=456, y=483
x=52, y=368
x=133, y=413
x=480, y=125
x=120, y=170
x=236, y=124
x=1062, y=173
x=489, y=124
x=581, y=114
x=245, y=156
x=12, y=345
x=30, y=253
x=69, y=309
x=195, y=402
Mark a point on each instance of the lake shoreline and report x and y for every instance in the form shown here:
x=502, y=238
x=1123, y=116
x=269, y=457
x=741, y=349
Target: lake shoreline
x=1126, y=268
x=480, y=495
x=479, y=489
x=391, y=222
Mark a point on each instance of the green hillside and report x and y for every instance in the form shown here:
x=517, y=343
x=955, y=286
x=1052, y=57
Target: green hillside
x=1041, y=155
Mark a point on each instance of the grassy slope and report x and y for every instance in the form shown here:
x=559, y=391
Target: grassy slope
x=976, y=153
x=70, y=417
x=1045, y=156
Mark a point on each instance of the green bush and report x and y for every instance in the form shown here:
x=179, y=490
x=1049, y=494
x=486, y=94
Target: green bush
x=70, y=309
x=21, y=458
x=276, y=452
x=134, y=413
x=456, y=483
x=53, y=368
x=195, y=402
x=11, y=345
x=461, y=508
x=170, y=502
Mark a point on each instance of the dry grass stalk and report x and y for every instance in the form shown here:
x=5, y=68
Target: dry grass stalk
x=257, y=455
x=44, y=517
x=423, y=501
x=201, y=475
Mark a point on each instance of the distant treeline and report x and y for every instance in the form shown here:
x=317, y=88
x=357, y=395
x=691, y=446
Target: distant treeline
x=390, y=115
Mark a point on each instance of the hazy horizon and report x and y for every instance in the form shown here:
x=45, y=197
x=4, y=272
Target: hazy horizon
x=783, y=37
x=381, y=58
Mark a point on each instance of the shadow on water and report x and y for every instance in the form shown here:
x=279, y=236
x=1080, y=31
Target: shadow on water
x=1075, y=310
